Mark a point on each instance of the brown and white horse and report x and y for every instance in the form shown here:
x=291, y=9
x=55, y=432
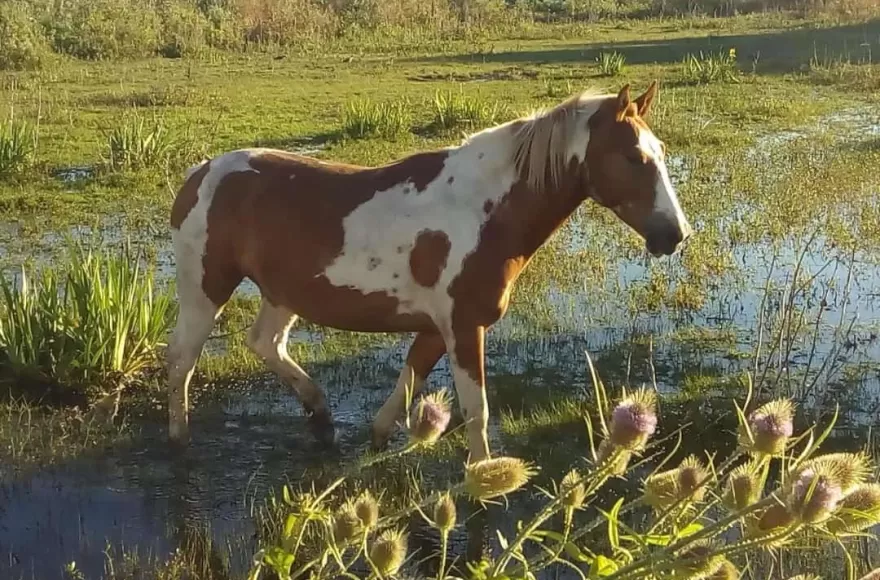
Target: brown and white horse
x=431, y=244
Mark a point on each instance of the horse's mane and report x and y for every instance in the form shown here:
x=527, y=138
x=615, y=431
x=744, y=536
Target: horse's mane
x=542, y=139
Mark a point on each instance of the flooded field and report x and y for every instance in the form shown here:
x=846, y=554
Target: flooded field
x=780, y=284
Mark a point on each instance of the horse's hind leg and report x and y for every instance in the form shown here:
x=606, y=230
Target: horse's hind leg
x=195, y=320
x=268, y=339
x=425, y=351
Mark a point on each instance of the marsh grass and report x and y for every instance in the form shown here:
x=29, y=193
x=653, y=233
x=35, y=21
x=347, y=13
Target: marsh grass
x=456, y=109
x=611, y=64
x=98, y=320
x=137, y=143
x=704, y=68
x=18, y=146
x=365, y=118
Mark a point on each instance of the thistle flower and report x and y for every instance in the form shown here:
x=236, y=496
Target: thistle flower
x=858, y=510
x=346, y=525
x=367, y=509
x=388, y=552
x=668, y=487
x=770, y=427
x=618, y=455
x=444, y=513
x=494, y=477
x=848, y=470
x=698, y=562
x=774, y=517
x=634, y=420
x=813, y=496
x=573, y=490
x=431, y=417
x=743, y=488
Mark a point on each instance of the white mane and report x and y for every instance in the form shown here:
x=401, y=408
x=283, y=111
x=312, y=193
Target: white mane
x=545, y=138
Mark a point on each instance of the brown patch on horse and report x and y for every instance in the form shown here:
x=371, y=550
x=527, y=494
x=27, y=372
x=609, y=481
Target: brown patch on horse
x=428, y=257
x=187, y=197
x=261, y=221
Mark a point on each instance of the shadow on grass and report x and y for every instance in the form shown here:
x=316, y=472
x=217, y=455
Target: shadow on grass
x=772, y=52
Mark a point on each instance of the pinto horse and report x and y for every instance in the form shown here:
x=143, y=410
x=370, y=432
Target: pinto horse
x=430, y=244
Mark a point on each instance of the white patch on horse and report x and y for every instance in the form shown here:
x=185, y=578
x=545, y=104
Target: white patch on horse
x=665, y=198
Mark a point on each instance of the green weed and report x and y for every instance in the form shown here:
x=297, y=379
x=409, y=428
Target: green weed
x=711, y=68
x=611, y=64
x=100, y=318
x=456, y=109
x=366, y=118
x=18, y=145
x=135, y=144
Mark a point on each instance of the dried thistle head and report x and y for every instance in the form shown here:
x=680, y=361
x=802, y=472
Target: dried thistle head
x=617, y=458
x=389, y=551
x=498, y=476
x=857, y=511
x=813, y=496
x=444, y=513
x=743, y=487
x=661, y=489
x=572, y=489
x=431, y=417
x=367, y=509
x=771, y=426
x=691, y=474
x=775, y=517
x=346, y=525
x=848, y=470
x=634, y=420
x=698, y=561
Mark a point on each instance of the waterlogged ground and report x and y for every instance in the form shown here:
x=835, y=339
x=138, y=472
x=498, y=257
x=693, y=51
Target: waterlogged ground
x=777, y=173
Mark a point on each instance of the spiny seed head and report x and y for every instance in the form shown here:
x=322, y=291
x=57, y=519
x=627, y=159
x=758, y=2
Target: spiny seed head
x=431, y=417
x=444, y=513
x=573, y=490
x=661, y=489
x=388, y=551
x=774, y=517
x=346, y=525
x=726, y=571
x=367, y=509
x=743, y=488
x=697, y=562
x=857, y=511
x=497, y=476
x=619, y=457
x=770, y=426
x=691, y=474
x=848, y=470
x=813, y=496
x=634, y=420
x=806, y=577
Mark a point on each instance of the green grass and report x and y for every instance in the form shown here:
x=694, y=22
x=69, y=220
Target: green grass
x=611, y=64
x=457, y=109
x=365, y=118
x=711, y=68
x=18, y=146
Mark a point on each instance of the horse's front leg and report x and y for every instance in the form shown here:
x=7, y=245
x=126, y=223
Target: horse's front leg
x=466, y=355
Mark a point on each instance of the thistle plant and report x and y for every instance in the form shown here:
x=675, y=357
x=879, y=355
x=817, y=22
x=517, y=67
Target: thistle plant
x=703, y=514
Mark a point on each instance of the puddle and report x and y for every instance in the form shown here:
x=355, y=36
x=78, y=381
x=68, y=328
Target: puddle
x=75, y=174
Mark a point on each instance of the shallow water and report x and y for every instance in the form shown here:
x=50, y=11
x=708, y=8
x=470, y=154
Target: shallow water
x=249, y=438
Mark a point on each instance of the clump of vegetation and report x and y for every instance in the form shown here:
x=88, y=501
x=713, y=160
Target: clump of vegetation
x=703, y=517
x=611, y=64
x=97, y=321
x=18, y=145
x=456, y=110
x=711, y=68
x=366, y=118
x=136, y=144
x=24, y=46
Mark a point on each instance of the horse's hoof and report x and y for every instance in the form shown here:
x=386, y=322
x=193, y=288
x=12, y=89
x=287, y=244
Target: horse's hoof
x=323, y=429
x=379, y=441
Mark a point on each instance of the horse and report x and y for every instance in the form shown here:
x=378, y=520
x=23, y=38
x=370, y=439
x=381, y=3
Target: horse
x=430, y=244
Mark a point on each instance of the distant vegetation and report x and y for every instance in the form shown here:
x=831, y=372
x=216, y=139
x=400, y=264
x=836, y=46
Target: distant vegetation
x=33, y=30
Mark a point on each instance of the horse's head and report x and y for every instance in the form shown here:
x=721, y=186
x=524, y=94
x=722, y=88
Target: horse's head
x=626, y=172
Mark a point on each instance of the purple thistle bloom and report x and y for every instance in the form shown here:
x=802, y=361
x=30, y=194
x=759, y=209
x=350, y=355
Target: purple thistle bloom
x=771, y=426
x=430, y=418
x=821, y=502
x=633, y=421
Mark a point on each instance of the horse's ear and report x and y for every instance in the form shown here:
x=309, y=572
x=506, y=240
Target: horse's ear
x=623, y=101
x=643, y=103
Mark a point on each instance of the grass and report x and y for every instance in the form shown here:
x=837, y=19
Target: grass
x=712, y=68
x=18, y=145
x=470, y=112
x=611, y=64
x=137, y=143
x=97, y=321
x=364, y=119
